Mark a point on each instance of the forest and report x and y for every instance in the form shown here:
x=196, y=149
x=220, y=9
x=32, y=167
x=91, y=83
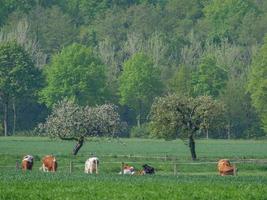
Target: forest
x=143, y=56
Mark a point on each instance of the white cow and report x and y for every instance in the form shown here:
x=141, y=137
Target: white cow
x=91, y=165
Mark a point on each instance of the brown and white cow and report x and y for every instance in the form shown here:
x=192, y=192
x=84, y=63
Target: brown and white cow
x=27, y=162
x=49, y=164
x=127, y=169
x=225, y=167
x=91, y=165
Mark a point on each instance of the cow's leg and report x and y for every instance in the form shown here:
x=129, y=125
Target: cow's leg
x=43, y=167
x=86, y=170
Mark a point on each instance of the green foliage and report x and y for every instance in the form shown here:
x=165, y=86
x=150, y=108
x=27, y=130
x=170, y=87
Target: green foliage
x=175, y=116
x=19, y=78
x=209, y=78
x=199, y=46
x=52, y=28
x=241, y=116
x=8, y=6
x=139, y=83
x=257, y=85
x=140, y=131
x=225, y=17
x=181, y=81
x=75, y=73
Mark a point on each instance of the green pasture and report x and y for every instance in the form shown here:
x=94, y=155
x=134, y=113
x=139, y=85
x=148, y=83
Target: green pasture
x=206, y=149
x=191, y=180
x=80, y=186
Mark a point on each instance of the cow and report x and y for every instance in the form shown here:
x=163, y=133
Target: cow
x=49, y=164
x=225, y=167
x=27, y=162
x=91, y=165
x=148, y=169
x=127, y=169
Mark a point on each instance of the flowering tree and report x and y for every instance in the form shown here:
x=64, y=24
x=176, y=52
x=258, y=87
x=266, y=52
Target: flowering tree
x=176, y=116
x=69, y=121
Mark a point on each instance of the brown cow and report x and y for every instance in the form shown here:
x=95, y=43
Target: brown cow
x=49, y=164
x=27, y=162
x=225, y=167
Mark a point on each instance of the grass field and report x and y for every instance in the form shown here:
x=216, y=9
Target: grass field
x=197, y=180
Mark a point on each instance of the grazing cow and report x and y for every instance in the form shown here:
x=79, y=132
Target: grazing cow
x=91, y=165
x=49, y=164
x=127, y=169
x=27, y=162
x=225, y=167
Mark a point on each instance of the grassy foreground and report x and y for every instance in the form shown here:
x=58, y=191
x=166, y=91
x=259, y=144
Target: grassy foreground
x=80, y=186
x=191, y=182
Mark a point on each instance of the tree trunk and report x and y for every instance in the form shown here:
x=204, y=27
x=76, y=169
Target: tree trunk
x=229, y=131
x=78, y=145
x=192, y=147
x=207, y=134
x=138, y=120
x=14, y=117
x=6, y=118
x=139, y=114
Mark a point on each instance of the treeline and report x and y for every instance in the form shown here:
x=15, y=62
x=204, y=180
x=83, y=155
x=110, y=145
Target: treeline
x=127, y=52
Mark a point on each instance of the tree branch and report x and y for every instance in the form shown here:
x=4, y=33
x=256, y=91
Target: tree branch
x=71, y=138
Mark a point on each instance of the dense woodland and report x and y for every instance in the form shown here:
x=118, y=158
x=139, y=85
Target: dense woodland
x=128, y=52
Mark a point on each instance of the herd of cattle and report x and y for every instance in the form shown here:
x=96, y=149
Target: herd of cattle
x=49, y=164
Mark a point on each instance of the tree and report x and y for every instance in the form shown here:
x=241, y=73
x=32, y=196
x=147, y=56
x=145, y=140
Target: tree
x=175, y=116
x=75, y=73
x=139, y=84
x=210, y=78
x=18, y=76
x=225, y=17
x=242, y=120
x=257, y=84
x=8, y=6
x=181, y=81
x=52, y=28
x=69, y=121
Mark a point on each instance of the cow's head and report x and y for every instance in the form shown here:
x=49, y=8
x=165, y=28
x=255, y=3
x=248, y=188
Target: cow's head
x=28, y=158
x=96, y=161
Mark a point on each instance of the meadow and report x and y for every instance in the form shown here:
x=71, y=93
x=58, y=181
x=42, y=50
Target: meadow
x=193, y=180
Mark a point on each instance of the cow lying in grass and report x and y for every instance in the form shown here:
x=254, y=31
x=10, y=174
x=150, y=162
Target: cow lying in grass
x=127, y=169
x=27, y=162
x=49, y=164
x=225, y=167
x=148, y=169
x=91, y=165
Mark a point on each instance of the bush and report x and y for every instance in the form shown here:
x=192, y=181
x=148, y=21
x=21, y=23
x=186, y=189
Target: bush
x=254, y=132
x=140, y=132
